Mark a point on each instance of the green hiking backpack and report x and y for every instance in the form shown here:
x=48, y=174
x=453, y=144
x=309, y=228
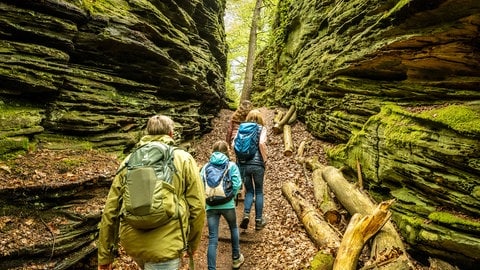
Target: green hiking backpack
x=149, y=198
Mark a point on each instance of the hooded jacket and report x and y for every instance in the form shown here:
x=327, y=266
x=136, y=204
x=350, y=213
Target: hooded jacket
x=219, y=158
x=163, y=243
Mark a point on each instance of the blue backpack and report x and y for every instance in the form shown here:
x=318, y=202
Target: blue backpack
x=246, y=141
x=218, y=183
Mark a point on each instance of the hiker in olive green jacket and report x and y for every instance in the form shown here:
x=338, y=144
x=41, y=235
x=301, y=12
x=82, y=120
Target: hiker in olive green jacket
x=162, y=247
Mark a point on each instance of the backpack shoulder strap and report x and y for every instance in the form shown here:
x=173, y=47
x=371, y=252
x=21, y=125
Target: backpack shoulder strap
x=227, y=170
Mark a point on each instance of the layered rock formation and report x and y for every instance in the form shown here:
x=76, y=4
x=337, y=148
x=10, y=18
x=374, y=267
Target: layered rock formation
x=398, y=83
x=93, y=71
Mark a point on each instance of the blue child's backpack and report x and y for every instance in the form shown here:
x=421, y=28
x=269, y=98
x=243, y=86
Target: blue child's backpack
x=218, y=183
x=246, y=141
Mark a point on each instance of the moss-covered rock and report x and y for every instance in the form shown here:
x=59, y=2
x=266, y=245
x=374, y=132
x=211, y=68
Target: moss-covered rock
x=99, y=68
x=395, y=83
x=427, y=161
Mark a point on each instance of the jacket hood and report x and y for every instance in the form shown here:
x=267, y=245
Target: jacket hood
x=160, y=138
x=218, y=158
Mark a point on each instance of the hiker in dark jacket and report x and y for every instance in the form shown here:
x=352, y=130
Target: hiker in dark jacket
x=220, y=157
x=162, y=247
x=253, y=173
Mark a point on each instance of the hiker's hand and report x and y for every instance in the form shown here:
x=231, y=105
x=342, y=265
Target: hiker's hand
x=105, y=267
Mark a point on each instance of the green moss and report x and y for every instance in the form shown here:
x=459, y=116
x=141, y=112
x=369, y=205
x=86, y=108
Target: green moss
x=400, y=4
x=461, y=118
x=398, y=127
x=15, y=118
x=113, y=8
x=60, y=142
x=451, y=219
x=322, y=261
x=68, y=164
x=10, y=147
x=409, y=226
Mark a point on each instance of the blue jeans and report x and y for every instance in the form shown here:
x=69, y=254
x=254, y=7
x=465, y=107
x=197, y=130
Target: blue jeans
x=167, y=265
x=252, y=176
x=213, y=219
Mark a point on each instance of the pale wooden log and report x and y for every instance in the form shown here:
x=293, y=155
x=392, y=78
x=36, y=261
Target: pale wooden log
x=300, y=150
x=321, y=192
x=287, y=140
x=278, y=116
x=317, y=228
x=278, y=128
x=387, y=241
x=292, y=118
x=359, y=230
x=325, y=202
x=313, y=163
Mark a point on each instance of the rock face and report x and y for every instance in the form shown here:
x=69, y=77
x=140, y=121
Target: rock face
x=94, y=71
x=397, y=83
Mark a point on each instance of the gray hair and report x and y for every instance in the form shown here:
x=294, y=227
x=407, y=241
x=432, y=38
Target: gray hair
x=160, y=125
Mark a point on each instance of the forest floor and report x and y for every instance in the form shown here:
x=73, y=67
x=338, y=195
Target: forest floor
x=282, y=244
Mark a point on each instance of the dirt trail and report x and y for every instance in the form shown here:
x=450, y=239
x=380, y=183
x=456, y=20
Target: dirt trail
x=283, y=243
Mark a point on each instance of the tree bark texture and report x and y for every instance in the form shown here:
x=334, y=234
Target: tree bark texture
x=252, y=44
x=387, y=242
x=287, y=140
x=278, y=128
x=325, y=202
x=278, y=116
x=359, y=230
x=317, y=228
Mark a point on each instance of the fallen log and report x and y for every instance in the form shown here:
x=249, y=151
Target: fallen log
x=321, y=191
x=278, y=117
x=278, y=127
x=325, y=202
x=300, y=151
x=321, y=233
x=313, y=163
x=359, y=230
x=287, y=141
x=387, y=244
x=292, y=118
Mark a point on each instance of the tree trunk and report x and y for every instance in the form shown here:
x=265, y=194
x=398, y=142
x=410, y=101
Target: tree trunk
x=360, y=229
x=287, y=141
x=252, y=44
x=387, y=243
x=317, y=228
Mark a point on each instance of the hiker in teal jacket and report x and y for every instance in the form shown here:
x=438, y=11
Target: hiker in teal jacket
x=227, y=210
x=162, y=247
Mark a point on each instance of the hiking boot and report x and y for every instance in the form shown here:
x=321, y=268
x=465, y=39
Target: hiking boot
x=260, y=223
x=238, y=262
x=245, y=220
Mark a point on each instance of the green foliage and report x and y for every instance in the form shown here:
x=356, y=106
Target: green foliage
x=280, y=18
x=238, y=21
